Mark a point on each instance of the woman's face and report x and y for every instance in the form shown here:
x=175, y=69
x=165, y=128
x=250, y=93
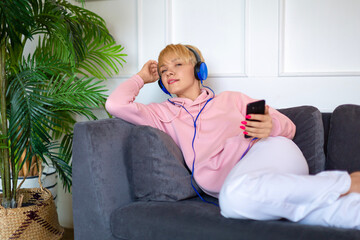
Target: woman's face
x=178, y=77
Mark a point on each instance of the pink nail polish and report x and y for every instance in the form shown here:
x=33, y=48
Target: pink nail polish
x=247, y=116
x=244, y=122
x=245, y=133
x=242, y=127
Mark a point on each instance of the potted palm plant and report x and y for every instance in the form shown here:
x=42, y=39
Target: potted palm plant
x=42, y=92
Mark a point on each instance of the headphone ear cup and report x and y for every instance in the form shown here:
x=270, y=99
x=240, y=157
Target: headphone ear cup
x=162, y=87
x=201, y=71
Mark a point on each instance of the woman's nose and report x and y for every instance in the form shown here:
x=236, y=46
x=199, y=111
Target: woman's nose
x=169, y=72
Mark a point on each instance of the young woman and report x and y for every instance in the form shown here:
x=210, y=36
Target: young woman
x=270, y=181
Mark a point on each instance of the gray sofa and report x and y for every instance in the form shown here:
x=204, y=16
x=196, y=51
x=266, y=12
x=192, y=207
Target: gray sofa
x=129, y=182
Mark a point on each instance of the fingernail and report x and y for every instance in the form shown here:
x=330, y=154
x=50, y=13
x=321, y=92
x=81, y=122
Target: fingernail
x=242, y=127
x=245, y=133
x=247, y=116
x=244, y=122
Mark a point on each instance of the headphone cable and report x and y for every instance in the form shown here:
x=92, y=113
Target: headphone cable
x=193, y=141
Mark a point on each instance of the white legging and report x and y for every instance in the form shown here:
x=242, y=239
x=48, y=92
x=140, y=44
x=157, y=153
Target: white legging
x=272, y=182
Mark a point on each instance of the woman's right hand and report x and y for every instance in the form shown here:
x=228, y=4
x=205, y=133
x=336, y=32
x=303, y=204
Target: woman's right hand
x=149, y=72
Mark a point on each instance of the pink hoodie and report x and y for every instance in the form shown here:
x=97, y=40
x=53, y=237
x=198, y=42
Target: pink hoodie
x=219, y=142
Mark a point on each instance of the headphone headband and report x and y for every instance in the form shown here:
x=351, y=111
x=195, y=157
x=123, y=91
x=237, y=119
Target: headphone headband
x=197, y=57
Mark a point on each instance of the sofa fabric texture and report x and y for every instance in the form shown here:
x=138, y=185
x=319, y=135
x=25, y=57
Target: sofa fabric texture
x=344, y=140
x=121, y=192
x=100, y=182
x=193, y=219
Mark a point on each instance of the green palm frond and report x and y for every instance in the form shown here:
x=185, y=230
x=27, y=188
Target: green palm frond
x=102, y=58
x=55, y=40
x=68, y=28
x=83, y=92
x=29, y=114
x=66, y=147
x=15, y=19
x=71, y=96
x=60, y=161
x=66, y=153
x=31, y=119
x=93, y=26
x=79, y=38
x=63, y=124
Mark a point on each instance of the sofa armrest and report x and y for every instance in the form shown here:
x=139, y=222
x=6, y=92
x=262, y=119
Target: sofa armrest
x=100, y=182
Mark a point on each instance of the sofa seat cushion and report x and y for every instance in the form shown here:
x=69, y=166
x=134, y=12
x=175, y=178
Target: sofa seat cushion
x=193, y=219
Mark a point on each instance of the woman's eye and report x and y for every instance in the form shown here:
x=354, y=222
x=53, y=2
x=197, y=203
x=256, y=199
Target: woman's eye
x=163, y=71
x=178, y=64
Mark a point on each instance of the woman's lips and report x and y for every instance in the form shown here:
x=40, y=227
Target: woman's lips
x=171, y=81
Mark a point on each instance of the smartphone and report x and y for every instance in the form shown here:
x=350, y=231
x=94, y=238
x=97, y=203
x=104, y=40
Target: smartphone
x=257, y=107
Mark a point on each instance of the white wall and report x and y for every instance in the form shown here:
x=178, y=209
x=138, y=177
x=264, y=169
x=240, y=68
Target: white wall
x=289, y=52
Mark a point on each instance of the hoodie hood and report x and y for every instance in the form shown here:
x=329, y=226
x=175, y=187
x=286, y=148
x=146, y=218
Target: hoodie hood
x=190, y=107
x=204, y=96
x=175, y=105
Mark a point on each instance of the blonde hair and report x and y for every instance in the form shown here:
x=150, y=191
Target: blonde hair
x=181, y=51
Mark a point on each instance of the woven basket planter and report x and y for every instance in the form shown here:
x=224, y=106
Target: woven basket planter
x=49, y=180
x=38, y=218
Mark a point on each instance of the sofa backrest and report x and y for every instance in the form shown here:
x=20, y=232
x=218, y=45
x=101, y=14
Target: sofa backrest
x=309, y=135
x=343, y=139
x=331, y=141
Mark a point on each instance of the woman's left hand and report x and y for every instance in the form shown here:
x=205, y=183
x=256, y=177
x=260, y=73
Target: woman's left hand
x=260, y=128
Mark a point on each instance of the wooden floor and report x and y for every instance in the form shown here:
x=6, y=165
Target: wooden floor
x=69, y=234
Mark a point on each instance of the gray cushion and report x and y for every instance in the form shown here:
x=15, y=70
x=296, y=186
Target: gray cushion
x=309, y=135
x=157, y=168
x=344, y=141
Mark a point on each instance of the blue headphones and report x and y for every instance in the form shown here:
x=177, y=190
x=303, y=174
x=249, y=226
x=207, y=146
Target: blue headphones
x=200, y=71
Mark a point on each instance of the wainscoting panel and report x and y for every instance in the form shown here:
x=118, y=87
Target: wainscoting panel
x=319, y=37
x=219, y=29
